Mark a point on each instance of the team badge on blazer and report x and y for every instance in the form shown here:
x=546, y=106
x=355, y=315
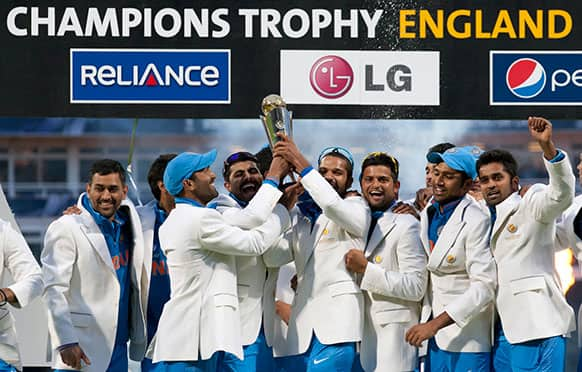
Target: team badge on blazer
x=378, y=259
x=451, y=259
x=511, y=228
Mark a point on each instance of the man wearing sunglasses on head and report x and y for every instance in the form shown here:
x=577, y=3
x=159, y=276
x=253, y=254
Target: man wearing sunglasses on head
x=393, y=269
x=327, y=312
x=256, y=275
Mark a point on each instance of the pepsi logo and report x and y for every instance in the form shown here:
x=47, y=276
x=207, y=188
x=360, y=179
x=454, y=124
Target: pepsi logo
x=526, y=78
x=331, y=77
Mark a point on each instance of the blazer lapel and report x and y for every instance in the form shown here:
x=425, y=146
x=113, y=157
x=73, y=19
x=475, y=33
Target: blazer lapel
x=97, y=240
x=148, y=220
x=504, y=210
x=448, y=235
x=383, y=227
x=424, y=230
x=313, y=238
x=139, y=256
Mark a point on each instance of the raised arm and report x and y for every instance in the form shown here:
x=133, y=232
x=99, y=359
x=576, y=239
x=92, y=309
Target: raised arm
x=552, y=200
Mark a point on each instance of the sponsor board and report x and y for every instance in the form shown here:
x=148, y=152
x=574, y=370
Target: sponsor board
x=548, y=78
x=149, y=76
x=360, y=77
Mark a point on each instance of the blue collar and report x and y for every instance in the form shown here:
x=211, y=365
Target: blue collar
x=240, y=202
x=448, y=207
x=378, y=214
x=191, y=202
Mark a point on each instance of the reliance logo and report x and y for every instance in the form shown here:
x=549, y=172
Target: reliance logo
x=150, y=76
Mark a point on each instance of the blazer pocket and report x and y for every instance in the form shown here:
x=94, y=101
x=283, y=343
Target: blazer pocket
x=225, y=299
x=385, y=317
x=81, y=320
x=342, y=288
x=532, y=283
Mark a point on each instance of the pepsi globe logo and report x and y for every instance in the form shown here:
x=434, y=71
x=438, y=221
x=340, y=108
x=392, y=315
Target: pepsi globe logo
x=331, y=77
x=526, y=78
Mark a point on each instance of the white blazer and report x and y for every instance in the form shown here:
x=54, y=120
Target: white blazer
x=256, y=275
x=394, y=282
x=529, y=301
x=16, y=257
x=82, y=290
x=328, y=300
x=567, y=238
x=202, y=314
x=463, y=278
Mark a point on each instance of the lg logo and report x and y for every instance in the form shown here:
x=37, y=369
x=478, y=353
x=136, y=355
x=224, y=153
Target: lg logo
x=360, y=77
x=332, y=77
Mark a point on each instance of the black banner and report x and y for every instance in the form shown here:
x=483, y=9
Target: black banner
x=346, y=59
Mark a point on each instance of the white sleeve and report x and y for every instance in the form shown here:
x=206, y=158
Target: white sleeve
x=21, y=264
x=217, y=235
x=58, y=258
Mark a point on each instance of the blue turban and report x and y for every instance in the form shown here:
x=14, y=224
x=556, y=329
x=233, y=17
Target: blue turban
x=183, y=166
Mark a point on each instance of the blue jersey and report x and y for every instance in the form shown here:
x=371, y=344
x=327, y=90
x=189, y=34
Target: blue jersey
x=159, y=292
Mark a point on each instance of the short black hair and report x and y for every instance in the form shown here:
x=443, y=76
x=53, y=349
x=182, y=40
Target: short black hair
x=234, y=158
x=440, y=148
x=381, y=158
x=264, y=159
x=104, y=167
x=156, y=173
x=499, y=156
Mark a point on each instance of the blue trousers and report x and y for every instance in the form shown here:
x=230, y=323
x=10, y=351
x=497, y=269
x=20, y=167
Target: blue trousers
x=327, y=358
x=543, y=355
x=147, y=365
x=258, y=356
x=447, y=361
x=291, y=363
x=208, y=365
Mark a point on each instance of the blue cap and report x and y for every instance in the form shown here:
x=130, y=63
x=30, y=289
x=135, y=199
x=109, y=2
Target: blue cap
x=458, y=158
x=476, y=151
x=183, y=166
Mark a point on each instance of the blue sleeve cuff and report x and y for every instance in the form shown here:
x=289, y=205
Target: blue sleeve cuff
x=306, y=170
x=271, y=182
x=559, y=157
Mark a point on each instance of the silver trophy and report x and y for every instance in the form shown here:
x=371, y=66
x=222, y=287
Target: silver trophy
x=276, y=118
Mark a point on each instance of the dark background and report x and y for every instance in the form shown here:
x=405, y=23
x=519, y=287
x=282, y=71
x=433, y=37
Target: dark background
x=34, y=71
